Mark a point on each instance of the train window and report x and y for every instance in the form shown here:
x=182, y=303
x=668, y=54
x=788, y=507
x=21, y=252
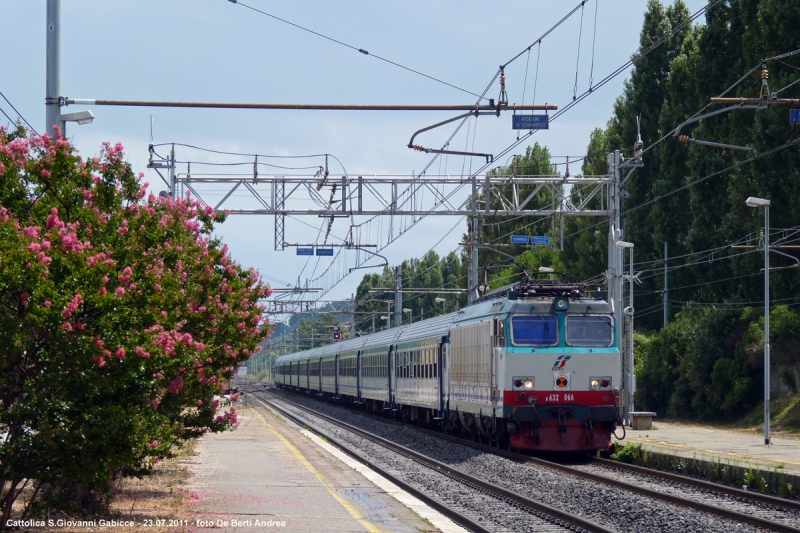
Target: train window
x=534, y=330
x=590, y=331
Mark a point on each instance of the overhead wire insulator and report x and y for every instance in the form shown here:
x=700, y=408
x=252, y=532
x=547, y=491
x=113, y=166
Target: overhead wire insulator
x=683, y=138
x=502, y=99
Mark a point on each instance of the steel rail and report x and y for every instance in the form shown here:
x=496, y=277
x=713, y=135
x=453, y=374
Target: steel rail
x=699, y=483
x=554, y=515
x=677, y=500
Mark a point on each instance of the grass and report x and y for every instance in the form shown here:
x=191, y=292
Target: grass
x=785, y=416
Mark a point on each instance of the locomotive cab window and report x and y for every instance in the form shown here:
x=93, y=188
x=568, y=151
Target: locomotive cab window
x=595, y=331
x=534, y=330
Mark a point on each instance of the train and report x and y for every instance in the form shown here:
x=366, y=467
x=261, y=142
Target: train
x=532, y=366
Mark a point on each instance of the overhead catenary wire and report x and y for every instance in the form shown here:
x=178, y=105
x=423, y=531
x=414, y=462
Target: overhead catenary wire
x=357, y=49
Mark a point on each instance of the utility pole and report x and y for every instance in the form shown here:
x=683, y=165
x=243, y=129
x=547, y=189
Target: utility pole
x=473, y=252
x=373, y=322
x=52, y=103
x=666, y=283
x=615, y=266
x=398, y=296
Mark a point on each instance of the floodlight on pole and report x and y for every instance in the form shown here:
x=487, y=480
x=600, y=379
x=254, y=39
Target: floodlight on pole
x=407, y=310
x=443, y=301
x=81, y=117
x=762, y=202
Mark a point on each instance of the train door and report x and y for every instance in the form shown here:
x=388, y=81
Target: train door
x=308, y=374
x=498, y=343
x=319, y=374
x=358, y=376
x=392, y=379
x=336, y=375
x=440, y=377
x=291, y=374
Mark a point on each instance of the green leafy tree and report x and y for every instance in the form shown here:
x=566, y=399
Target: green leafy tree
x=120, y=317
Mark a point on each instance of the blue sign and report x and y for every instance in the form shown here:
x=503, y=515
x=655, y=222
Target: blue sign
x=530, y=122
x=540, y=240
x=794, y=116
x=519, y=239
x=325, y=251
x=305, y=251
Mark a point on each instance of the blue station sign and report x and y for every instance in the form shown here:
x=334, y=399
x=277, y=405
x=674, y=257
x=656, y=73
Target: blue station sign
x=540, y=239
x=794, y=117
x=305, y=251
x=519, y=239
x=325, y=251
x=530, y=122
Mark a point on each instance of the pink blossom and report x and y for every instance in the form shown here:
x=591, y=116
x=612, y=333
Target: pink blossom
x=34, y=247
x=199, y=403
x=153, y=444
x=46, y=174
x=24, y=297
x=99, y=361
x=48, y=303
x=120, y=291
x=155, y=402
x=158, y=287
x=120, y=353
x=53, y=221
x=102, y=291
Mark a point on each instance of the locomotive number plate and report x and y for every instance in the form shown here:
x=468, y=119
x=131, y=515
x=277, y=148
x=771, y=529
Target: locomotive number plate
x=556, y=397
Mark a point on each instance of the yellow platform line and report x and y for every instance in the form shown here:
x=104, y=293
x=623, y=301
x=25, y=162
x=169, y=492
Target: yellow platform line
x=325, y=483
x=731, y=454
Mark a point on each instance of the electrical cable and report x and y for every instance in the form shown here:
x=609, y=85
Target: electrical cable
x=361, y=50
x=18, y=114
x=9, y=118
x=594, y=38
x=578, y=59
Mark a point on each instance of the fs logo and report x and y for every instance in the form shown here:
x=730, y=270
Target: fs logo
x=561, y=362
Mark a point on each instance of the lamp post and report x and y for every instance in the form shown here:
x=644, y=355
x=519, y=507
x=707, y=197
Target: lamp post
x=81, y=117
x=761, y=202
x=443, y=301
x=410, y=317
x=631, y=381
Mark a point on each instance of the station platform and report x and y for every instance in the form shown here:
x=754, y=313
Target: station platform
x=728, y=446
x=271, y=475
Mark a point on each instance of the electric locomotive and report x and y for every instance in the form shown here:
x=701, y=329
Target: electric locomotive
x=531, y=366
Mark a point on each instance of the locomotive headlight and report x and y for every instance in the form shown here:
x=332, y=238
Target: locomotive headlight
x=600, y=382
x=523, y=383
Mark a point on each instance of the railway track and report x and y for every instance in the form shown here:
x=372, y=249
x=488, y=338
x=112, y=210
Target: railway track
x=757, y=510
x=471, y=502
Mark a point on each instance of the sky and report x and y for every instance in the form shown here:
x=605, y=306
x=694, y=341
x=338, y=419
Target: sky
x=216, y=50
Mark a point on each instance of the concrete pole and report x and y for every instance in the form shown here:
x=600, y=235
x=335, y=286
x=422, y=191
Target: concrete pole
x=53, y=90
x=666, y=283
x=632, y=375
x=473, y=253
x=398, y=296
x=766, y=325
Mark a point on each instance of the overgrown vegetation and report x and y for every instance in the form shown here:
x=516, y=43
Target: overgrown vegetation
x=740, y=476
x=120, y=317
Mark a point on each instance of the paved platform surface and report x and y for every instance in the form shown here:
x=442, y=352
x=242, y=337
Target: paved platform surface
x=733, y=446
x=268, y=476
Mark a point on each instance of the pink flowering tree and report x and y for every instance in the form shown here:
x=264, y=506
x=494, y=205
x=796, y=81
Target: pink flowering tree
x=120, y=319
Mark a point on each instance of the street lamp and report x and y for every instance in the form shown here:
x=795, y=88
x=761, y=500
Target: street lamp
x=81, y=117
x=761, y=202
x=629, y=386
x=407, y=310
x=443, y=301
